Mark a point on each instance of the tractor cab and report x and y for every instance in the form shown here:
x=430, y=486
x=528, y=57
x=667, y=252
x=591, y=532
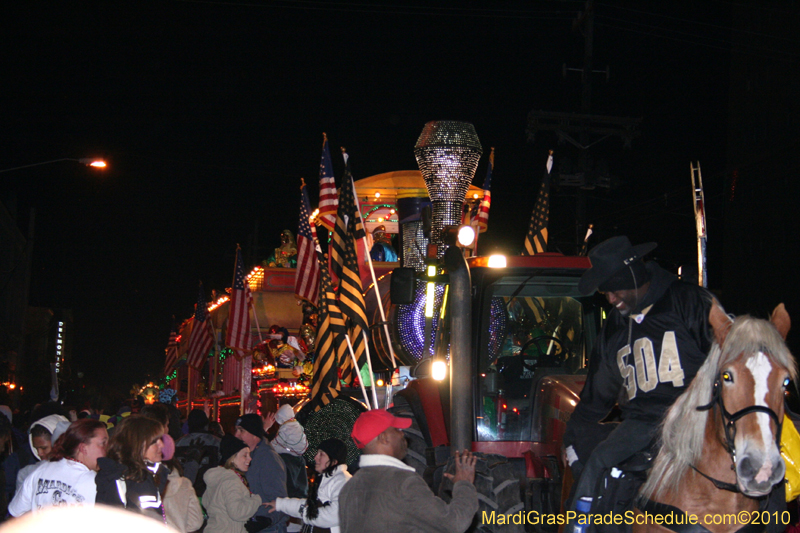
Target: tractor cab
x=531, y=330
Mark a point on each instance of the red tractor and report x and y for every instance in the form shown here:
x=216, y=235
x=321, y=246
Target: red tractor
x=518, y=337
x=515, y=333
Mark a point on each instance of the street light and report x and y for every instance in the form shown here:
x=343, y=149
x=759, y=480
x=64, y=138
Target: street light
x=88, y=161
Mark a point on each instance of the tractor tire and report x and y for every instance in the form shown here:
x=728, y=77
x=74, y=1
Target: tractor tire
x=545, y=499
x=417, y=456
x=499, y=493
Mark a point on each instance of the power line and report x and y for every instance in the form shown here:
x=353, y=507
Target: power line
x=708, y=24
x=389, y=9
x=728, y=44
x=791, y=56
x=762, y=6
x=725, y=41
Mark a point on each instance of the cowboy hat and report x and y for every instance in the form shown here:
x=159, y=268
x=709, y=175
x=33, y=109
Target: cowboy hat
x=608, y=258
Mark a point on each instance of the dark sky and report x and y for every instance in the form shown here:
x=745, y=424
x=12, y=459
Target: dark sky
x=210, y=112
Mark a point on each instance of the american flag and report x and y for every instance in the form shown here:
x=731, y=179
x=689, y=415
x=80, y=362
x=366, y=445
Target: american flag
x=202, y=337
x=344, y=260
x=482, y=218
x=238, y=334
x=536, y=239
x=330, y=343
x=328, y=200
x=171, y=351
x=306, y=281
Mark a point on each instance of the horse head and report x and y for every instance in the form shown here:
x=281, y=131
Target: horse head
x=755, y=367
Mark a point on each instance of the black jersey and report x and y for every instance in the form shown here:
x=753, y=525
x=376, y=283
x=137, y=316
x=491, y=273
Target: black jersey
x=645, y=361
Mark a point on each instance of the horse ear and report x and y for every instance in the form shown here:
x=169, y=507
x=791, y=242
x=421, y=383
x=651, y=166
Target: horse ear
x=720, y=322
x=780, y=319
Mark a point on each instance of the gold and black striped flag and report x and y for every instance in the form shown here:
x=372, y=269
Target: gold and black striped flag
x=346, y=368
x=344, y=262
x=536, y=239
x=330, y=338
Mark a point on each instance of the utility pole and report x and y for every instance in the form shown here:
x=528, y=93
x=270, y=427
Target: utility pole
x=589, y=129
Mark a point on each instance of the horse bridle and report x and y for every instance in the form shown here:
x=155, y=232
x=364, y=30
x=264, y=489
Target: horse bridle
x=730, y=429
x=730, y=435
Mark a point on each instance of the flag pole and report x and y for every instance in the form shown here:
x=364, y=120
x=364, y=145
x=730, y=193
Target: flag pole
x=246, y=379
x=475, y=244
x=355, y=365
x=377, y=296
x=369, y=365
x=213, y=385
x=585, y=245
x=247, y=361
x=189, y=394
x=214, y=371
x=255, y=318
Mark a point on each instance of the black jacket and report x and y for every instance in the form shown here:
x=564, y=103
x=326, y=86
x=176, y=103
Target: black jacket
x=644, y=362
x=141, y=496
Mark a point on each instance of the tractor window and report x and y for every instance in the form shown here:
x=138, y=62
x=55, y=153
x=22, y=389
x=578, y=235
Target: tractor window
x=535, y=330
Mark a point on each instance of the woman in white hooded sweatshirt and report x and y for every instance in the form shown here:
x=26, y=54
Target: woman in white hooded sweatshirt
x=291, y=444
x=321, y=508
x=68, y=477
x=42, y=435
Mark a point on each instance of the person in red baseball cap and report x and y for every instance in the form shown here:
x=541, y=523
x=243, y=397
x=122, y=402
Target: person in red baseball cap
x=388, y=495
x=372, y=423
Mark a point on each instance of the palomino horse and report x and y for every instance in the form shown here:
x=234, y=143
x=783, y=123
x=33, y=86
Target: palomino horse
x=720, y=441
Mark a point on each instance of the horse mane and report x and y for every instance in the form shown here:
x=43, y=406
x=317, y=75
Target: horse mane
x=682, y=432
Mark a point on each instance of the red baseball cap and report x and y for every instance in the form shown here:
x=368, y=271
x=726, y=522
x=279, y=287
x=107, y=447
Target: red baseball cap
x=372, y=423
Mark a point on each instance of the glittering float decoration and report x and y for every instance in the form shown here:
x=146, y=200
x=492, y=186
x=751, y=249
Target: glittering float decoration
x=447, y=153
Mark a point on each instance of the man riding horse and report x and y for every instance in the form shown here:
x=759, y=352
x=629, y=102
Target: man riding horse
x=654, y=341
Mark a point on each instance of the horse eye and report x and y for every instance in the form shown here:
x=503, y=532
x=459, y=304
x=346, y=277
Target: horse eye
x=785, y=383
x=726, y=376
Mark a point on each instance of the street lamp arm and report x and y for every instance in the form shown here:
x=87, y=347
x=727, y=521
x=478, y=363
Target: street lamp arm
x=86, y=161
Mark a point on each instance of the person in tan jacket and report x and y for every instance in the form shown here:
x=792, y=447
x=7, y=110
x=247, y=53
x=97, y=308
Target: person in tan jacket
x=181, y=506
x=227, y=499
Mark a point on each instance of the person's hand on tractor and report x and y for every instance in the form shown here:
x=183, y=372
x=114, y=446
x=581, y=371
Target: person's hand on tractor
x=465, y=467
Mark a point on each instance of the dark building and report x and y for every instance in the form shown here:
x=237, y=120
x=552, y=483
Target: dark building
x=14, y=283
x=35, y=342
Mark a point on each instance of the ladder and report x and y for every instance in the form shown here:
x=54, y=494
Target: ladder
x=700, y=222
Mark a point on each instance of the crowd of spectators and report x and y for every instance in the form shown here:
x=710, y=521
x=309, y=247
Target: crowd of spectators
x=189, y=474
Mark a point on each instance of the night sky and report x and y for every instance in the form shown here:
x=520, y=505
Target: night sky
x=209, y=113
